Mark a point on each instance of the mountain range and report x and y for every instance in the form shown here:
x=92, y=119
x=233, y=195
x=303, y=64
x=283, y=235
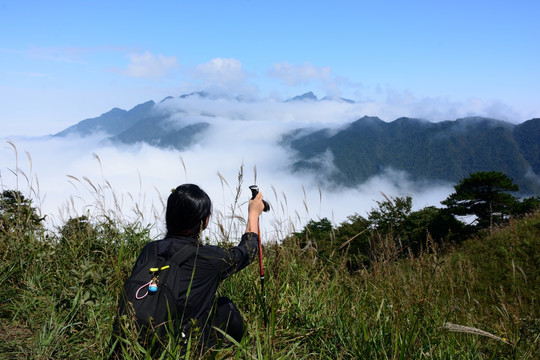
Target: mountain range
x=448, y=150
x=431, y=151
x=143, y=123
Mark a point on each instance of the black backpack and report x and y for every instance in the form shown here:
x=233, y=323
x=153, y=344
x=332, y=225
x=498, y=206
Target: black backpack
x=154, y=308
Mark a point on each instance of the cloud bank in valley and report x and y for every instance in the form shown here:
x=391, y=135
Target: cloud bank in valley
x=79, y=176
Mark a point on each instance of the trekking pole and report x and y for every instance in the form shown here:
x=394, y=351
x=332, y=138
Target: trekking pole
x=254, y=191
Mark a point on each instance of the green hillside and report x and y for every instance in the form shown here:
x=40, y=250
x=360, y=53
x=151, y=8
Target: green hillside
x=59, y=291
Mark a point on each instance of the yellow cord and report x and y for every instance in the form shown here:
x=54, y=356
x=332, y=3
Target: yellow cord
x=159, y=269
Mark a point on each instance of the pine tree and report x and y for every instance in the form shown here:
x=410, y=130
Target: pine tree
x=484, y=195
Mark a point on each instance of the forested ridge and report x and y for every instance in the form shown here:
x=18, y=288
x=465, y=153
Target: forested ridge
x=443, y=151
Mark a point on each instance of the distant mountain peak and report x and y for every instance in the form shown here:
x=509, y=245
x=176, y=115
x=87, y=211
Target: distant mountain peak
x=309, y=96
x=411, y=121
x=369, y=119
x=166, y=99
x=332, y=98
x=202, y=94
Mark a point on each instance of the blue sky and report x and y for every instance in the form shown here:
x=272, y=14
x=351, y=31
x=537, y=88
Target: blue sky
x=64, y=61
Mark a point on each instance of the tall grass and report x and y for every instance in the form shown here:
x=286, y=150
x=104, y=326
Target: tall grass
x=59, y=290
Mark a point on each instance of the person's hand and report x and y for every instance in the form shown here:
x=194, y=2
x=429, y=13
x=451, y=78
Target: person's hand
x=256, y=207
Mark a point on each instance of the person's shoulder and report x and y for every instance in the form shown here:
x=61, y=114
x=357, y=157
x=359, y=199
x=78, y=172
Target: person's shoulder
x=210, y=249
x=149, y=245
x=213, y=253
x=162, y=247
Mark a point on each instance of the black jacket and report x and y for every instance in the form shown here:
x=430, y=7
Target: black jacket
x=209, y=267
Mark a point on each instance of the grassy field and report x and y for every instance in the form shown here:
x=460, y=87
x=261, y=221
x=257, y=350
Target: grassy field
x=59, y=291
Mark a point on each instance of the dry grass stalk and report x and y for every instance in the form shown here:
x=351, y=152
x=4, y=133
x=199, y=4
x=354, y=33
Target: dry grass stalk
x=471, y=330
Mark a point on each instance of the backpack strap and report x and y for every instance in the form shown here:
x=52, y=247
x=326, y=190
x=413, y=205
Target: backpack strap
x=182, y=255
x=179, y=258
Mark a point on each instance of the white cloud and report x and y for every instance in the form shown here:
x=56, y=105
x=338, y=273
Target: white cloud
x=390, y=104
x=308, y=74
x=386, y=102
x=128, y=179
x=137, y=178
x=221, y=70
x=299, y=74
x=148, y=65
x=225, y=76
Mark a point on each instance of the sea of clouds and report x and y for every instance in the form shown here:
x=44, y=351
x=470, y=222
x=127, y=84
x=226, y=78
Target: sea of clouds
x=74, y=176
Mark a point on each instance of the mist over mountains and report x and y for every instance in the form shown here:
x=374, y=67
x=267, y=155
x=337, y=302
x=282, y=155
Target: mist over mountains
x=448, y=150
x=336, y=151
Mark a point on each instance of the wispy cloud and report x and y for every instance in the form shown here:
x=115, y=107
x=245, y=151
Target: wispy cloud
x=220, y=70
x=224, y=76
x=390, y=104
x=148, y=65
x=308, y=74
x=299, y=74
x=67, y=54
x=28, y=74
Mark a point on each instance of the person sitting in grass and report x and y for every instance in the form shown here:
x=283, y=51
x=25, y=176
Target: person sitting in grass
x=198, y=311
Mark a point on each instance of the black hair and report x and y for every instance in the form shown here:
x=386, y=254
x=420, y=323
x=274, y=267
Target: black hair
x=188, y=207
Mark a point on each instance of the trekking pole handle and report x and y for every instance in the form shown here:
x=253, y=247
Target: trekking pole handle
x=254, y=191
